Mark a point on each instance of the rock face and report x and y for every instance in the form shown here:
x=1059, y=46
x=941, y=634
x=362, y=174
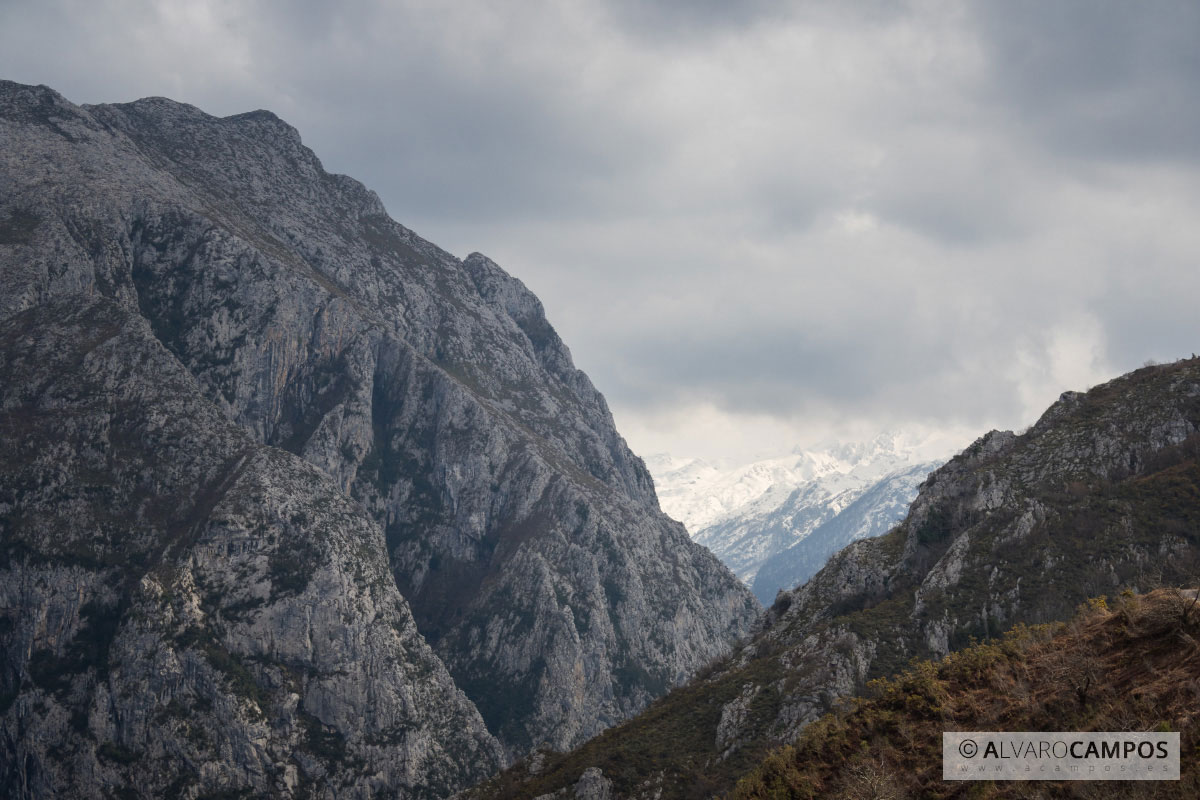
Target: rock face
x=1102, y=494
x=187, y=609
x=297, y=496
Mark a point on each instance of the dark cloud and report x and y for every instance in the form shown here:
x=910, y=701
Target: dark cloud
x=673, y=21
x=812, y=213
x=688, y=19
x=460, y=129
x=1100, y=78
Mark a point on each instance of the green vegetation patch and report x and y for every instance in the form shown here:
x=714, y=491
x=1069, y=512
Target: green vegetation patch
x=321, y=740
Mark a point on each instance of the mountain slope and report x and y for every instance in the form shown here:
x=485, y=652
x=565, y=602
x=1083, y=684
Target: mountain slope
x=1132, y=668
x=1103, y=493
x=430, y=393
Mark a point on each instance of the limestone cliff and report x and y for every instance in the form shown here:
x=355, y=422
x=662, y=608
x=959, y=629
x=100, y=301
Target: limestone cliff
x=350, y=398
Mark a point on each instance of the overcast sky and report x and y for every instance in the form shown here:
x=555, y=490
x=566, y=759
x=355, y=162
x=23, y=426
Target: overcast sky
x=756, y=224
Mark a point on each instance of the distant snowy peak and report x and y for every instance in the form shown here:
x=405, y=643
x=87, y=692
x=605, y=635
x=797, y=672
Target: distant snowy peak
x=752, y=513
x=681, y=484
x=701, y=495
x=872, y=512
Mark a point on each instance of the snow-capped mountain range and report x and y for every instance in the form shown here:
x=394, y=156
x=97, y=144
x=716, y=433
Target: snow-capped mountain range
x=756, y=517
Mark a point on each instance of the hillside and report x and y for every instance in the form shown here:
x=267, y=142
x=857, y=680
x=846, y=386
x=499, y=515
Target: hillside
x=1132, y=665
x=1100, y=495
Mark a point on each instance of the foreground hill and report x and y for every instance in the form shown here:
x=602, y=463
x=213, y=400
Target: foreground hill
x=1101, y=494
x=291, y=500
x=1131, y=667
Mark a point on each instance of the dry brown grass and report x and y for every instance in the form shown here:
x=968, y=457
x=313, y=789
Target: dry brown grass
x=1131, y=666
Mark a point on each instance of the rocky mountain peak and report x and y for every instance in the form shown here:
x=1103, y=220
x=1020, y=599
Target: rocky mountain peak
x=17, y=97
x=298, y=484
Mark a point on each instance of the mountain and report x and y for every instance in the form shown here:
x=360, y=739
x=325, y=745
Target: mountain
x=1126, y=666
x=875, y=510
x=291, y=500
x=751, y=515
x=1101, y=495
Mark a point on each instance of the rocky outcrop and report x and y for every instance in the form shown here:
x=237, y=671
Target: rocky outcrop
x=430, y=406
x=1102, y=494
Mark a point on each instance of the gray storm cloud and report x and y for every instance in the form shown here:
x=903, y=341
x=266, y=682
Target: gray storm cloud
x=753, y=223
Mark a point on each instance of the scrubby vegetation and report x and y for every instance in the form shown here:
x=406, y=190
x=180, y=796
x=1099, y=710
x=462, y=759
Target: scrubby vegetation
x=1129, y=665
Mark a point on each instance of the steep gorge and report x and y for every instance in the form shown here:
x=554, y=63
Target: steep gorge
x=1101, y=495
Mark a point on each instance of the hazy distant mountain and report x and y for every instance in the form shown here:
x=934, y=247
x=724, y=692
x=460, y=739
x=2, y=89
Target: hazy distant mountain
x=872, y=513
x=750, y=514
